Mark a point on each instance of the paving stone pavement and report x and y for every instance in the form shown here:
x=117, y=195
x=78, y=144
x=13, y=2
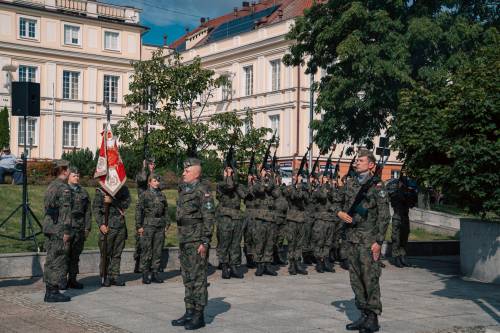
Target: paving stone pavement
x=427, y=297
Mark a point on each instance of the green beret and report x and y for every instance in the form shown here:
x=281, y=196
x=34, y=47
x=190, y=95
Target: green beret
x=191, y=161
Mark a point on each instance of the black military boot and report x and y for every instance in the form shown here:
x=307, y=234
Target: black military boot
x=344, y=263
x=329, y=266
x=184, y=319
x=117, y=281
x=137, y=267
x=357, y=324
x=291, y=268
x=235, y=272
x=320, y=266
x=63, y=285
x=300, y=269
x=146, y=278
x=397, y=262
x=260, y=269
x=155, y=278
x=226, y=273
x=268, y=270
x=371, y=323
x=73, y=284
x=250, y=262
x=196, y=322
x=107, y=282
x=52, y=295
x=404, y=261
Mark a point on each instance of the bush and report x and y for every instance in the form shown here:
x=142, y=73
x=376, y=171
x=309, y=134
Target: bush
x=4, y=127
x=132, y=160
x=83, y=159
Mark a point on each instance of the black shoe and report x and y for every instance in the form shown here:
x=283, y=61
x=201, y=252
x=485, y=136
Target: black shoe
x=155, y=278
x=371, y=323
x=319, y=266
x=250, y=262
x=357, y=324
x=63, y=285
x=260, y=269
x=54, y=296
x=226, y=273
x=117, y=281
x=235, y=272
x=397, y=262
x=185, y=318
x=291, y=268
x=404, y=261
x=137, y=267
x=107, y=282
x=344, y=264
x=300, y=269
x=196, y=322
x=268, y=270
x=73, y=284
x=146, y=279
x=329, y=266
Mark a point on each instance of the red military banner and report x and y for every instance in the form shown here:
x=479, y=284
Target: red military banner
x=110, y=169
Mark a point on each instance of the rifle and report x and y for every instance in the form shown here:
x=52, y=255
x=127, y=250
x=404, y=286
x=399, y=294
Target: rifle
x=230, y=162
x=351, y=172
x=268, y=152
x=252, y=171
x=303, y=163
x=335, y=173
x=328, y=165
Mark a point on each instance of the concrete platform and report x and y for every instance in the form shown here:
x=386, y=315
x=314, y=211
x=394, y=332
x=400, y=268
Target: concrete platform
x=428, y=297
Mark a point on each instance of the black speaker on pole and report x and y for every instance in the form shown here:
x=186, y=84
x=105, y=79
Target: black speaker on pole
x=26, y=99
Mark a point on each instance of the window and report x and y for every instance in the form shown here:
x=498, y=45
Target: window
x=111, y=40
x=70, y=133
x=275, y=124
x=275, y=74
x=70, y=84
x=226, y=91
x=395, y=174
x=27, y=73
x=31, y=123
x=71, y=34
x=27, y=28
x=248, y=70
x=111, y=88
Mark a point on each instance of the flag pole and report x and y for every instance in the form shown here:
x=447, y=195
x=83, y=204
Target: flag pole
x=104, y=252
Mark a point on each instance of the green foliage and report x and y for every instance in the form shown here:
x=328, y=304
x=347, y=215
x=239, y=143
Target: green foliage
x=83, y=159
x=4, y=127
x=425, y=71
x=132, y=160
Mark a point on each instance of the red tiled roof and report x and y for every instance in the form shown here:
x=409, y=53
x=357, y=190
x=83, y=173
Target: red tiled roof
x=287, y=9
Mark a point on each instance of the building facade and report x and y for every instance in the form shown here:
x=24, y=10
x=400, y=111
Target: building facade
x=248, y=45
x=80, y=52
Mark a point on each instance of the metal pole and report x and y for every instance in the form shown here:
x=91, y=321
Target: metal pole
x=25, y=180
x=311, y=114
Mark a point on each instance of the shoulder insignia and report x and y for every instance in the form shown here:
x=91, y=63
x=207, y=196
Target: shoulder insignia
x=207, y=195
x=382, y=193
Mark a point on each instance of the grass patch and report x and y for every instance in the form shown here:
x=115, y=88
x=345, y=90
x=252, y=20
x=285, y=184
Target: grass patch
x=424, y=235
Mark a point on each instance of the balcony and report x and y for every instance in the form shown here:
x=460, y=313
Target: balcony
x=72, y=5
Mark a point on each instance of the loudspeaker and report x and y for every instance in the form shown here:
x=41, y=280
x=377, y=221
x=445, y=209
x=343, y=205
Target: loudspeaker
x=26, y=99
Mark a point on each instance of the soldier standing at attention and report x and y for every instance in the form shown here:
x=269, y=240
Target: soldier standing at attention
x=229, y=224
x=308, y=246
x=195, y=218
x=81, y=213
x=151, y=224
x=248, y=230
x=281, y=208
x=116, y=230
x=365, y=210
x=57, y=230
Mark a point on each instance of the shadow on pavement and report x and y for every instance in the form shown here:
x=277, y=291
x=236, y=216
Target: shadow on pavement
x=215, y=307
x=348, y=307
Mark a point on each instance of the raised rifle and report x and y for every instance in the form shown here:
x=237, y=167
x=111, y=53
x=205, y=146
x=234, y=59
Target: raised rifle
x=303, y=163
x=264, y=164
x=328, y=166
x=335, y=174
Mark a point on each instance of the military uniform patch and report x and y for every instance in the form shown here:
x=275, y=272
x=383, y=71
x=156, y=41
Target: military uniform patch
x=209, y=205
x=382, y=193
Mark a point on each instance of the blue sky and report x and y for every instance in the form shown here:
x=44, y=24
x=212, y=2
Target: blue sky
x=173, y=16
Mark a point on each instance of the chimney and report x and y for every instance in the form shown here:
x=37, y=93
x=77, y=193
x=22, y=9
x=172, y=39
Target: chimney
x=235, y=11
x=186, y=29
x=202, y=20
x=246, y=4
x=164, y=39
x=280, y=14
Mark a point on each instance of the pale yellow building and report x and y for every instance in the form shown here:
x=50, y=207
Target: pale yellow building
x=248, y=44
x=80, y=52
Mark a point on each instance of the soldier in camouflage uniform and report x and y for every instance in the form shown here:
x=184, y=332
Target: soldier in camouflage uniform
x=141, y=179
x=297, y=197
x=308, y=246
x=116, y=230
x=151, y=224
x=249, y=223
x=264, y=192
x=195, y=218
x=81, y=212
x=281, y=208
x=367, y=220
x=57, y=230
x=337, y=241
x=229, y=224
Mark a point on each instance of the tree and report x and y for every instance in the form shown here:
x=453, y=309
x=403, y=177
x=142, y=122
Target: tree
x=4, y=127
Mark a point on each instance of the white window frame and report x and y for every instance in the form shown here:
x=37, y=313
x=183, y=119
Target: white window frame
x=117, y=87
x=70, y=43
x=71, y=85
x=72, y=135
x=118, y=43
x=19, y=78
x=20, y=138
x=273, y=125
x=275, y=76
x=26, y=27
x=248, y=80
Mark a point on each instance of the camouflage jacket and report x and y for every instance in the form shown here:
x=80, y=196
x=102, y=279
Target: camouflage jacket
x=297, y=198
x=311, y=202
x=281, y=205
x=372, y=217
x=57, y=204
x=323, y=199
x=81, y=209
x=195, y=213
x=116, y=217
x=264, y=192
x=142, y=182
x=229, y=195
x=151, y=209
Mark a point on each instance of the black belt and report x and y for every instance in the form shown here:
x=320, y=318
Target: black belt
x=186, y=222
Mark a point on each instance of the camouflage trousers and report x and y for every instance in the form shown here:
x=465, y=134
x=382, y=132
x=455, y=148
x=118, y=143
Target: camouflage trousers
x=194, y=276
x=280, y=233
x=229, y=234
x=338, y=249
x=151, y=241
x=364, y=274
x=264, y=240
x=56, y=262
x=115, y=244
x=248, y=234
x=137, y=252
x=321, y=237
x=75, y=249
x=307, y=243
x=400, y=233
x=295, y=236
